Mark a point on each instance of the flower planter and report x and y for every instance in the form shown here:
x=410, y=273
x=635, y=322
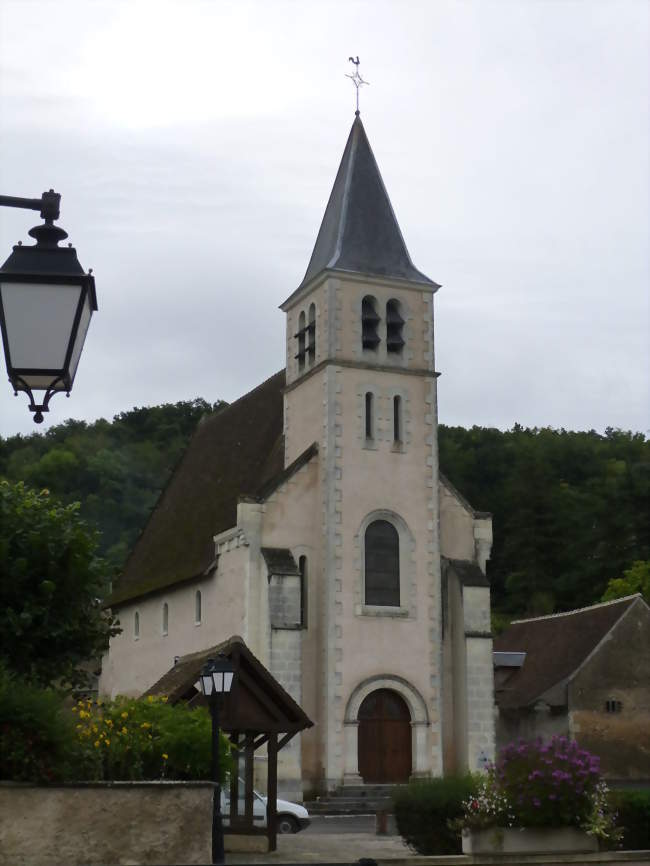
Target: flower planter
x=539, y=840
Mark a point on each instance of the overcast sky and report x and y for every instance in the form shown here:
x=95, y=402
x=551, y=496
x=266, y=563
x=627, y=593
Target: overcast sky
x=195, y=145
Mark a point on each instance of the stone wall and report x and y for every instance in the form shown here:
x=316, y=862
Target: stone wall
x=116, y=823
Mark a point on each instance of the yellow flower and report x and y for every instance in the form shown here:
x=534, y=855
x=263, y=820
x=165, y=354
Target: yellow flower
x=150, y=699
x=94, y=729
x=124, y=730
x=164, y=699
x=109, y=722
x=145, y=725
x=165, y=756
x=125, y=715
x=74, y=709
x=96, y=743
x=107, y=741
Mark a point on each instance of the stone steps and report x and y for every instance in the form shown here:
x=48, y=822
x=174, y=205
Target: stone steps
x=353, y=800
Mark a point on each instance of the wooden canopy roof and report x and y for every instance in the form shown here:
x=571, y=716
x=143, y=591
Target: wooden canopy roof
x=257, y=702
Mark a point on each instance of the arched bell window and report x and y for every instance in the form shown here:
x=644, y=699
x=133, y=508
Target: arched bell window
x=394, y=327
x=369, y=323
x=382, y=564
x=311, y=335
x=300, y=336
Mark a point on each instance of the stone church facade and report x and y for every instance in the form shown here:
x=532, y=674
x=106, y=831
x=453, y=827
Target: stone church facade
x=310, y=518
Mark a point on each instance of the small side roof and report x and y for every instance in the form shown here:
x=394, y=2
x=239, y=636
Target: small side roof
x=467, y=572
x=555, y=647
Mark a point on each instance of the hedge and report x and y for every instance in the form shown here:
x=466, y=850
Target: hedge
x=633, y=807
x=424, y=808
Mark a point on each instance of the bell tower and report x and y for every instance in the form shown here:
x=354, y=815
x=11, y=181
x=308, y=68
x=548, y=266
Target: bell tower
x=361, y=383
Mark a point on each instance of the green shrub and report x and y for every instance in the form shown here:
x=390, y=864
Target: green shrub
x=424, y=809
x=37, y=738
x=146, y=738
x=633, y=808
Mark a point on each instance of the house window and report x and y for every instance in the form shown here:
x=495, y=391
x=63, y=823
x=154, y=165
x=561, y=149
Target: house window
x=382, y=564
x=165, y=618
x=613, y=706
x=397, y=418
x=369, y=323
x=311, y=335
x=197, y=607
x=394, y=327
x=136, y=625
x=304, y=572
x=370, y=421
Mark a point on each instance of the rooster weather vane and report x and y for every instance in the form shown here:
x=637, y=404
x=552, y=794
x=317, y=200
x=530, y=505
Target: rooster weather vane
x=356, y=79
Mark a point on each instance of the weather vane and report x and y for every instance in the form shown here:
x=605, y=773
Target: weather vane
x=356, y=79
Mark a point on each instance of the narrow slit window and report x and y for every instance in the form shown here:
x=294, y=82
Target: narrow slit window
x=165, y=618
x=369, y=415
x=136, y=625
x=197, y=607
x=300, y=337
x=397, y=418
x=311, y=335
x=369, y=323
x=303, y=568
x=394, y=327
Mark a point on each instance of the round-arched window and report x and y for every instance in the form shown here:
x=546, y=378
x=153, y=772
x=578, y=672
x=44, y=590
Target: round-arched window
x=382, y=564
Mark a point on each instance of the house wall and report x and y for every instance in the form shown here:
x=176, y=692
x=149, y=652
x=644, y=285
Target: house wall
x=619, y=669
x=133, y=664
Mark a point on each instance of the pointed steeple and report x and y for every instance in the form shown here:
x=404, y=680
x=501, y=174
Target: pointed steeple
x=359, y=232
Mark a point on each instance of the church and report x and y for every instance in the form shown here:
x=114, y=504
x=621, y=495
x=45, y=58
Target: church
x=310, y=518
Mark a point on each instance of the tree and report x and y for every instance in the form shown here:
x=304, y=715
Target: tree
x=635, y=579
x=51, y=583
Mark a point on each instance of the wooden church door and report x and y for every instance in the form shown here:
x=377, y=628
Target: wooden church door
x=384, y=738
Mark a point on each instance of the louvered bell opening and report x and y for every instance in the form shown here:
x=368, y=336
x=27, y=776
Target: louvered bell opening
x=369, y=322
x=394, y=342
x=393, y=317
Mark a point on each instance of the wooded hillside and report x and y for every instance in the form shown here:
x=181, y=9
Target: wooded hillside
x=571, y=510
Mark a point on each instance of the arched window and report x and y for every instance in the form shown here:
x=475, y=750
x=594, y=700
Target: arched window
x=394, y=327
x=382, y=564
x=136, y=625
x=304, y=573
x=369, y=323
x=300, y=336
x=370, y=411
x=311, y=335
x=397, y=418
x=197, y=607
x=165, y=618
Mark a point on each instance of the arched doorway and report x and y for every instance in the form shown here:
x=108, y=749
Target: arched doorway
x=384, y=738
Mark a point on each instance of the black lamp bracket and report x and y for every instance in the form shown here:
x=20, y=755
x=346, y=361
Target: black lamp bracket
x=33, y=405
x=47, y=235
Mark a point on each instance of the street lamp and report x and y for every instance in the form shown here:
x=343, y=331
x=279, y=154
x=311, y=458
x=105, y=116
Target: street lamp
x=216, y=679
x=46, y=302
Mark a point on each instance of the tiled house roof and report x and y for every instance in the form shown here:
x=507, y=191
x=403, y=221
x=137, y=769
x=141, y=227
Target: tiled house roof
x=555, y=647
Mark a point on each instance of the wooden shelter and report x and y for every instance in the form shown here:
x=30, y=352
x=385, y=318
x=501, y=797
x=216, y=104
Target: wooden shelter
x=258, y=712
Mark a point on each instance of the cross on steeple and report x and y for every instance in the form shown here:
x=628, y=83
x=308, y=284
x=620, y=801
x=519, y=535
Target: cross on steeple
x=356, y=79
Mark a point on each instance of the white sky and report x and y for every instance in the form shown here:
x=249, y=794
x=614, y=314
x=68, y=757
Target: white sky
x=195, y=143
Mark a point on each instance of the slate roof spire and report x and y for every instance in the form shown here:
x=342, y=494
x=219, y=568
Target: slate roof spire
x=360, y=232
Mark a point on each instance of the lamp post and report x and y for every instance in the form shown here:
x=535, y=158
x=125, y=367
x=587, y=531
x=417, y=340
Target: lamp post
x=216, y=679
x=46, y=303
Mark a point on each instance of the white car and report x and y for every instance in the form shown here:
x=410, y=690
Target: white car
x=291, y=817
